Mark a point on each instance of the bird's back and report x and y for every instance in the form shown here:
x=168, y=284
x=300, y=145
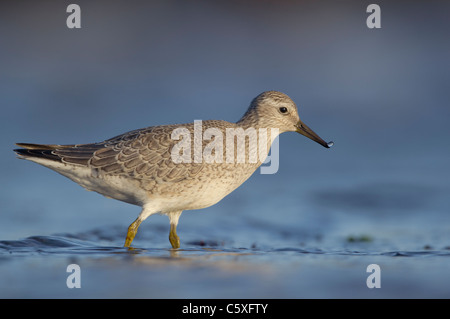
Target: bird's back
x=159, y=161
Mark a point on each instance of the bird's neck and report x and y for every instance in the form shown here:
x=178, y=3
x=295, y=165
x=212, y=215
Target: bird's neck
x=252, y=121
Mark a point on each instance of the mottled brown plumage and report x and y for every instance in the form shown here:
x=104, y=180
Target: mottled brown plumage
x=138, y=167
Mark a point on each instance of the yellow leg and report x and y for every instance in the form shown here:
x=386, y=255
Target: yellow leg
x=132, y=230
x=173, y=237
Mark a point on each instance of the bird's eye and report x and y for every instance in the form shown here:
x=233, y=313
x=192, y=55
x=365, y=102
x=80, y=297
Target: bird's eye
x=283, y=109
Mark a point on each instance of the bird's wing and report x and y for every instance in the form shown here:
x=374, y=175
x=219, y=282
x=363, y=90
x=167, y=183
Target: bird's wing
x=144, y=154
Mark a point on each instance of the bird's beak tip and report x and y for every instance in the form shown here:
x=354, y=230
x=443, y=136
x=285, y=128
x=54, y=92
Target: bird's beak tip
x=306, y=131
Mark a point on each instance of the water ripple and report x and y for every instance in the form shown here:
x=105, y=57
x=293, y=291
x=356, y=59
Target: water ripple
x=75, y=246
x=52, y=244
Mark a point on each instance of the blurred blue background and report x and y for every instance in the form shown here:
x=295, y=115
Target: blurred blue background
x=382, y=95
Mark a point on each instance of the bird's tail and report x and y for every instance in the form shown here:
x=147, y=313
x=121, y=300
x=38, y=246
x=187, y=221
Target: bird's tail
x=29, y=150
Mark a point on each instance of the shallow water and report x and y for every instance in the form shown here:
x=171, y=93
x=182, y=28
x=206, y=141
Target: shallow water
x=199, y=272
x=244, y=263
x=378, y=196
